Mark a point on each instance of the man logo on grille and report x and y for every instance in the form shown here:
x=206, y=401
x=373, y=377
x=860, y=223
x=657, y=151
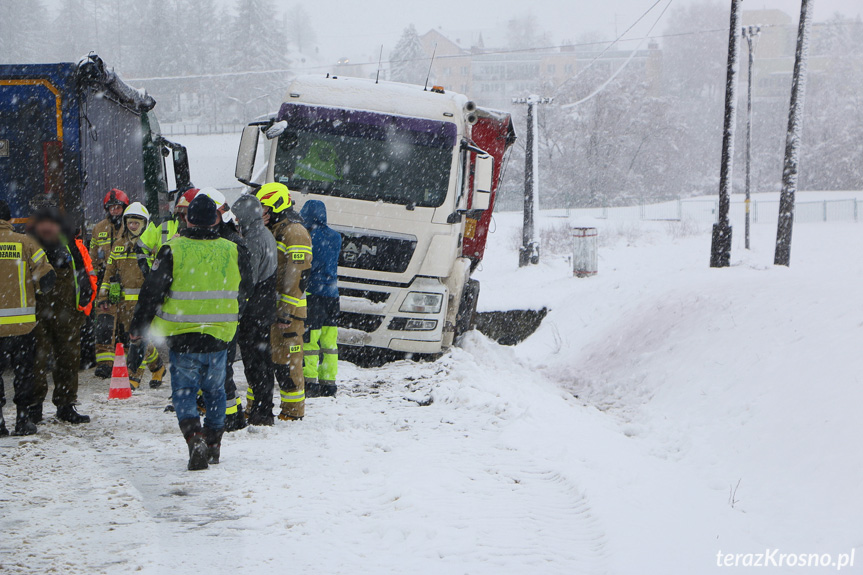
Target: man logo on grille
x=352, y=252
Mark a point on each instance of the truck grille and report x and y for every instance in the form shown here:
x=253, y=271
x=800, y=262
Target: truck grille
x=378, y=253
x=361, y=321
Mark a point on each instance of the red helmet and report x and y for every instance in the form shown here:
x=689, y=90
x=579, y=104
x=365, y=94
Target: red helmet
x=115, y=198
x=186, y=198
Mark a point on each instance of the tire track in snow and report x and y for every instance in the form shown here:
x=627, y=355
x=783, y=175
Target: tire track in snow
x=376, y=481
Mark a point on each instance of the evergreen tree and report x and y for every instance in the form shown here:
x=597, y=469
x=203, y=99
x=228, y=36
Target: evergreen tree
x=408, y=61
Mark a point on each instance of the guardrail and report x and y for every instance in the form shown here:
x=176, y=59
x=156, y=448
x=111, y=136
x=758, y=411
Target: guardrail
x=200, y=129
x=707, y=211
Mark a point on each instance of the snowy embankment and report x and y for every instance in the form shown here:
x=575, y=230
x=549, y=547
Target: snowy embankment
x=608, y=442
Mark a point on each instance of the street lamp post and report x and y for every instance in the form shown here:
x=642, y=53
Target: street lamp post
x=751, y=34
x=529, y=252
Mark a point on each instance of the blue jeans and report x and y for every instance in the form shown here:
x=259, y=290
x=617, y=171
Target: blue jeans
x=191, y=372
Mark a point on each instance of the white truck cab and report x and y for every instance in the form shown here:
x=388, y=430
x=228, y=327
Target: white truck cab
x=397, y=169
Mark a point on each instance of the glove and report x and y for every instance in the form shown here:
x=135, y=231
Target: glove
x=115, y=293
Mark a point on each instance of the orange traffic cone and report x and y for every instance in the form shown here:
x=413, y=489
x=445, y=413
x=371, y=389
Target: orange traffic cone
x=120, y=388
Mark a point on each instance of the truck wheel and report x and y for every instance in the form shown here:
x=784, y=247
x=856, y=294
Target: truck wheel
x=465, y=320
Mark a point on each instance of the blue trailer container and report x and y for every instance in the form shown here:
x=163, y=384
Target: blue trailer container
x=71, y=132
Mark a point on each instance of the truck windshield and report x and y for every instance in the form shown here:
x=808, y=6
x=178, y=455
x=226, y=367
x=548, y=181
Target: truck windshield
x=365, y=155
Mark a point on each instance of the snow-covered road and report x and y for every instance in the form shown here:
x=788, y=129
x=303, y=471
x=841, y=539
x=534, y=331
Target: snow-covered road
x=409, y=470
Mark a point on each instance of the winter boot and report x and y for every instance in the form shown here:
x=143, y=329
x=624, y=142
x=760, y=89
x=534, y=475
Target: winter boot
x=194, y=436
x=235, y=421
x=213, y=438
x=135, y=378
x=328, y=389
x=35, y=413
x=68, y=414
x=157, y=376
x=3, y=431
x=261, y=416
x=104, y=370
x=313, y=388
x=287, y=412
x=23, y=425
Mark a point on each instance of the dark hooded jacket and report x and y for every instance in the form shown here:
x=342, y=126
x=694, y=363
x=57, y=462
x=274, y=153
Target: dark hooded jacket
x=72, y=283
x=263, y=256
x=326, y=247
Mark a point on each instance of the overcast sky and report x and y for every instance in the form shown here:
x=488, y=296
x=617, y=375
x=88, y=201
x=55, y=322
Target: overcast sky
x=357, y=29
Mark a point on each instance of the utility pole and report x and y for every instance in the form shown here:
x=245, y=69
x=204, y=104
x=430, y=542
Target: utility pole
x=529, y=252
x=751, y=33
x=720, y=249
x=790, y=172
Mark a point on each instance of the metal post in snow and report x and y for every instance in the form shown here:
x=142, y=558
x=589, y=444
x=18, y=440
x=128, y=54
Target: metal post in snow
x=751, y=34
x=790, y=171
x=720, y=249
x=529, y=252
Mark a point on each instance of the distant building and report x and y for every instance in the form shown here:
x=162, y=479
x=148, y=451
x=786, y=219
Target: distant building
x=774, y=54
x=495, y=76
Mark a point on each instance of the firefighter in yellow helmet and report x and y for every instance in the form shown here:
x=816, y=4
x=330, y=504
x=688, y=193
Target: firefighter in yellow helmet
x=128, y=266
x=286, y=336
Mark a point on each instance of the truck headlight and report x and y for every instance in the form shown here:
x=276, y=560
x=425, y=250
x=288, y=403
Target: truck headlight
x=421, y=302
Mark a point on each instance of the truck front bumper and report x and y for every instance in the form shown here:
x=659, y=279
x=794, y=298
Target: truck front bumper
x=371, y=317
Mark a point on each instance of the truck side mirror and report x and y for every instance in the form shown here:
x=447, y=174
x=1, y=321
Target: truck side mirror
x=483, y=179
x=246, y=154
x=181, y=167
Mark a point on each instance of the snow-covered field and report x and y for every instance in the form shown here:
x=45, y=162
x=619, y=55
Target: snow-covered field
x=663, y=412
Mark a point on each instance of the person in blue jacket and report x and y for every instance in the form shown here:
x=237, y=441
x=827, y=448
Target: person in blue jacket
x=320, y=343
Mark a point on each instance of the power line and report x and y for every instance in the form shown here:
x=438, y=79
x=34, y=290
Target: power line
x=605, y=84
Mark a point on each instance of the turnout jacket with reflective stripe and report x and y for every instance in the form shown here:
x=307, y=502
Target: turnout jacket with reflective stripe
x=22, y=265
x=125, y=267
x=294, y=264
x=172, y=294
x=104, y=236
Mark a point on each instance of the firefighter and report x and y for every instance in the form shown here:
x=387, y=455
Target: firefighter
x=253, y=334
x=228, y=229
x=24, y=271
x=286, y=335
x=127, y=267
x=105, y=233
x=60, y=315
x=197, y=313
x=320, y=344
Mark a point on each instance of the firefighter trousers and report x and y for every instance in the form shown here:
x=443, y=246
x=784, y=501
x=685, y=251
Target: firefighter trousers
x=111, y=326
x=288, y=366
x=232, y=399
x=18, y=352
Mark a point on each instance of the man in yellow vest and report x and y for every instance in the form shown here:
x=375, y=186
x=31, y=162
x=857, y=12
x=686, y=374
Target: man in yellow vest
x=194, y=295
x=24, y=270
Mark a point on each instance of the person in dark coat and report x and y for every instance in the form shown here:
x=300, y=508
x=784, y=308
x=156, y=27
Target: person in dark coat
x=254, y=331
x=60, y=316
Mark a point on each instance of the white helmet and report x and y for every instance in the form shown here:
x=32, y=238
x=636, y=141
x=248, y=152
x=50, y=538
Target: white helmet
x=215, y=195
x=229, y=217
x=137, y=210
